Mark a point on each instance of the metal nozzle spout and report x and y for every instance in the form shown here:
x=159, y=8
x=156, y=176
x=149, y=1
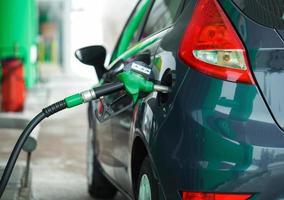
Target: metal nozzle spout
x=162, y=88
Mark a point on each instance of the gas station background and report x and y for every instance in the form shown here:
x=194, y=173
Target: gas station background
x=44, y=34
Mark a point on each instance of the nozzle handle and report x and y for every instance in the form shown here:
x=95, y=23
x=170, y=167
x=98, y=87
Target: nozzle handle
x=108, y=88
x=92, y=94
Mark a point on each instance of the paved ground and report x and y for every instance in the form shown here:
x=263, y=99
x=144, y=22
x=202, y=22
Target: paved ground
x=59, y=169
x=59, y=163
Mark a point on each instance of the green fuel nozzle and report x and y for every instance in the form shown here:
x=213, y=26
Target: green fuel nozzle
x=135, y=83
x=132, y=82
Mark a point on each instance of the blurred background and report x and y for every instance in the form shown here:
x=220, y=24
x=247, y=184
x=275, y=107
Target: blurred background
x=38, y=39
x=46, y=33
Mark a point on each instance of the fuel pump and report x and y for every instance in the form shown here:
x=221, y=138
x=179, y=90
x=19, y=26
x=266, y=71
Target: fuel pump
x=134, y=79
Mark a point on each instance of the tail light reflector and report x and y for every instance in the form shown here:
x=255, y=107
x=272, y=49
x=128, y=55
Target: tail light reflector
x=212, y=46
x=214, y=196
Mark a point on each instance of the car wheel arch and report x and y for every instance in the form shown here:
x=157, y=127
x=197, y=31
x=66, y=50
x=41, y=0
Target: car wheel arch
x=139, y=152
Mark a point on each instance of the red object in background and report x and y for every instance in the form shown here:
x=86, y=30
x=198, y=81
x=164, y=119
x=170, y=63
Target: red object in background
x=13, y=85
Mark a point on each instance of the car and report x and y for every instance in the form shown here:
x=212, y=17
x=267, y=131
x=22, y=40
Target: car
x=218, y=134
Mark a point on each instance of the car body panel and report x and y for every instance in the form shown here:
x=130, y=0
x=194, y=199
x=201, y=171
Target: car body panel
x=103, y=131
x=265, y=49
x=217, y=142
x=209, y=135
x=121, y=124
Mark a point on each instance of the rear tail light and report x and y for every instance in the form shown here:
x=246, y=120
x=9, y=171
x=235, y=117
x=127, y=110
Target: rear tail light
x=212, y=46
x=214, y=196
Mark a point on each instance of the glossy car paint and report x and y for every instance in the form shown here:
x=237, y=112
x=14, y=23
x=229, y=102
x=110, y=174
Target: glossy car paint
x=266, y=51
x=122, y=132
x=209, y=135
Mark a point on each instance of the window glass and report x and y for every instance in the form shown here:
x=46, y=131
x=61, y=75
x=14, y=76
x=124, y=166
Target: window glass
x=133, y=28
x=266, y=12
x=137, y=33
x=162, y=15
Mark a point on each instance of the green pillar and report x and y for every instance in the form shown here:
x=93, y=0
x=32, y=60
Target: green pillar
x=18, y=28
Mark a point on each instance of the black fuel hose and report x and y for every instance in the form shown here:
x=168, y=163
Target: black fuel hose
x=46, y=112
x=68, y=102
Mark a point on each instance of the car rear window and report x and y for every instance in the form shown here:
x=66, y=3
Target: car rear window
x=163, y=14
x=266, y=12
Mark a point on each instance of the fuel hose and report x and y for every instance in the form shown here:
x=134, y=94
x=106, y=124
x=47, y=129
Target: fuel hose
x=68, y=102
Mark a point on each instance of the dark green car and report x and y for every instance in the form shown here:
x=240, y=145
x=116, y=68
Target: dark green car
x=218, y=135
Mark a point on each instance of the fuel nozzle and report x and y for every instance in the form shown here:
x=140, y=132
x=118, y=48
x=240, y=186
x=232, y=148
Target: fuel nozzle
x=135, y=83
x=92, y=94
x=135, y=79
x=131, y=81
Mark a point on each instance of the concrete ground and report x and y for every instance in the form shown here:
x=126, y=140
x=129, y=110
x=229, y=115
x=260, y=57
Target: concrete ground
x=59, y=163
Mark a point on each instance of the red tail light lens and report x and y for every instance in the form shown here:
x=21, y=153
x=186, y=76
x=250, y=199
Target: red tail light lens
x=214, y=196
x=211, y=45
